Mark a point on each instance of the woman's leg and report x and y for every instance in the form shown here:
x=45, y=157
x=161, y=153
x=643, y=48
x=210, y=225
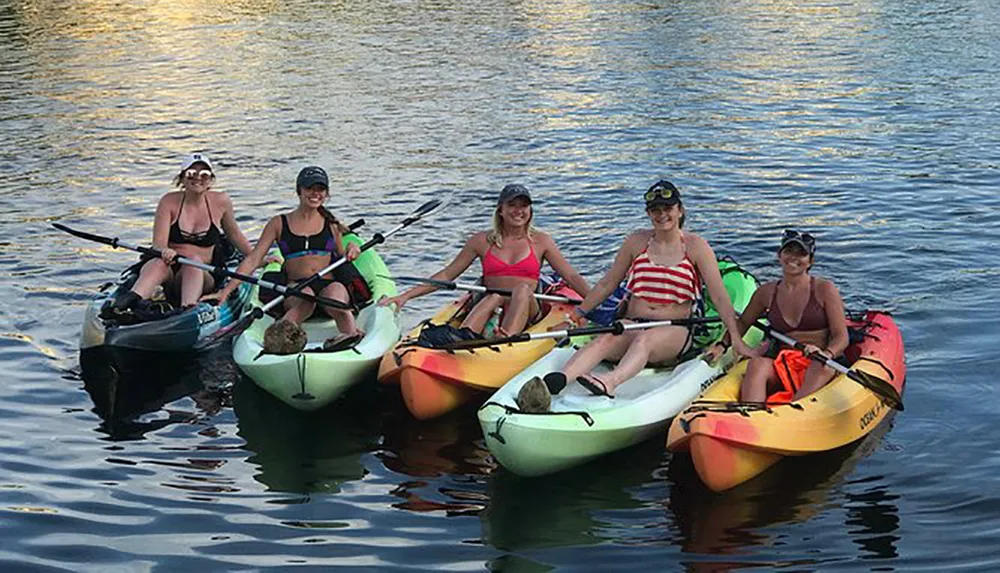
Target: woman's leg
x=152, y=274
x=653, y=345
x=344, y=318
x=759, y=375
x=604, y=347
x=817, y=376
x=481, y=313
x=193, y=283
x=519, y=310
x=298, y=309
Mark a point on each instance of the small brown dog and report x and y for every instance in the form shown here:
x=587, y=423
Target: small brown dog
x=284, y=337
x=534, y=397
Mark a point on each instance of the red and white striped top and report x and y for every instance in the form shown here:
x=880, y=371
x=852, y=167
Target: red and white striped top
x=658, y=284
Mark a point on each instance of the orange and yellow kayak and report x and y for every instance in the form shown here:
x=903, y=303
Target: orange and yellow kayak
x=434, y=382
x=730, y=442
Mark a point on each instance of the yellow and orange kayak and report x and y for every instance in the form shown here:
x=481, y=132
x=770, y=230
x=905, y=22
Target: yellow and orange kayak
x=434, y=382
x=730, y=442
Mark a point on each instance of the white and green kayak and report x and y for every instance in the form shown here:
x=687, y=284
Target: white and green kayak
x=580, y=426
x=313, y=378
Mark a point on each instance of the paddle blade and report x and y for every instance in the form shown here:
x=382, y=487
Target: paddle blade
x=227, y=332
x=881, y=388
x=421, y=212
x=472, y=344
x=426, y=208
x=83, y=235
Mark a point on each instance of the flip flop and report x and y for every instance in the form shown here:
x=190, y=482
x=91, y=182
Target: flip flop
x=591, y=384
x=342, y=342
x=555, y=382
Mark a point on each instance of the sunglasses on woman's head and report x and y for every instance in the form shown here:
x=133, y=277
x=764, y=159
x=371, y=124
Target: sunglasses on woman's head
x=807, y=240
x=199, y=174
x=791, y=234
x=658, y=191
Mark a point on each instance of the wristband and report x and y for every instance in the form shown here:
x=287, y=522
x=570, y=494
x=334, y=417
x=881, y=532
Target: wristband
x=579, y=312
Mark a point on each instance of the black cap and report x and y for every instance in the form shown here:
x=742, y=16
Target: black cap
x=662, y=192
x=513, y=192
x=310, y=176
x=804, y=240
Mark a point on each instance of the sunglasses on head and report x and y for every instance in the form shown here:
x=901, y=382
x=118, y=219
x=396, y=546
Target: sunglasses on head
x=805, y=238
x=199, y=174
x=659, y=191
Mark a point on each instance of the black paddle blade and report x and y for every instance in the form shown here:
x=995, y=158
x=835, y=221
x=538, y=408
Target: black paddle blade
x=235, y=329
x=881, y=388
x=426, y=208
x=84, y=235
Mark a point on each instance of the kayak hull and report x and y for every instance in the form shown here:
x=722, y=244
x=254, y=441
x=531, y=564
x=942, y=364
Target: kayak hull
x=180, y=332
x=434, y=382
x=312, y=379
x=581, y=427
x=731, y=443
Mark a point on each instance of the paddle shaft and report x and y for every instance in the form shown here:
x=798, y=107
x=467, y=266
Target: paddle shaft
x=153, y=252
x=879, y=387
x=615, y=328
x=451, y=285
x=780, y=337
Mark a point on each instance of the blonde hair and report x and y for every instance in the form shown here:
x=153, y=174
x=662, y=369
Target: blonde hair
x=495, y=236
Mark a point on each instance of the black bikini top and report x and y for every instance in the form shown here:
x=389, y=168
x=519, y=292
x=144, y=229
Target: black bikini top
x=292, y=245
x=207, y=238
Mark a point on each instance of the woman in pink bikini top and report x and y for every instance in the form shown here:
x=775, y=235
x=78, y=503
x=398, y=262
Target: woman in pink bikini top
x=511, y=254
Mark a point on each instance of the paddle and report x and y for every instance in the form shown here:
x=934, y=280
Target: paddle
x=451, y=285
x=617, y=327
x=881, y=388
x=258, y=312
x=117, y=243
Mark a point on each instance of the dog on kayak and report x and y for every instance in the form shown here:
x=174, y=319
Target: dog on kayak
x=284, y=337
x=535, y=397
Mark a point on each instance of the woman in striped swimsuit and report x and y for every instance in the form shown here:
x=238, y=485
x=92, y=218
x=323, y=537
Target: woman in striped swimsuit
x=665, y=267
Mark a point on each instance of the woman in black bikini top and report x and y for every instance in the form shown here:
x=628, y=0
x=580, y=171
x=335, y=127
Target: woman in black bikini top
x=191, y=207
x=208, y=238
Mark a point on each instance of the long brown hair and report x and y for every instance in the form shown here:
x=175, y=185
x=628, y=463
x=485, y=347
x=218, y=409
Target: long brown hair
x=333, y=221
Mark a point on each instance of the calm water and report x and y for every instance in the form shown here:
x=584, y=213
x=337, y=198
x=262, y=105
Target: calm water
x=871, y=123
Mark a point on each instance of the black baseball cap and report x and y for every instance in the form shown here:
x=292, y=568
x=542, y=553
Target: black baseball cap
x=793, y=237
x=662, y=192
x=310, y=176
x=513, y=191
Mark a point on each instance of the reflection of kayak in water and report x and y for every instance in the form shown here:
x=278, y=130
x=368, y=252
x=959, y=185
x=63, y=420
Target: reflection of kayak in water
x=304, y=452
x=794, y=492
x=127, y=385
x=566, y=509
x=436, y=454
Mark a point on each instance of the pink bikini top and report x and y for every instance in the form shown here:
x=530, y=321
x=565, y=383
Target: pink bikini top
x=529, y=267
